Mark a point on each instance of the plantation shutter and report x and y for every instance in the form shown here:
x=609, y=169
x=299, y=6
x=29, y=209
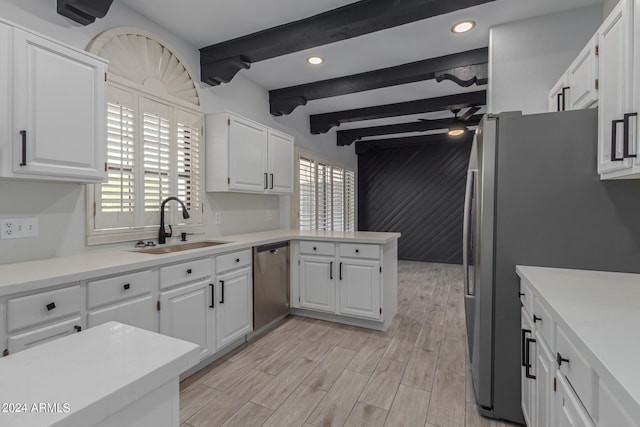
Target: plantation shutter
x=337, y=184
x=115, y=199
x=156, y=169
x=307, y=180
x=188, y=137
x=323, y=211
x=350, y=200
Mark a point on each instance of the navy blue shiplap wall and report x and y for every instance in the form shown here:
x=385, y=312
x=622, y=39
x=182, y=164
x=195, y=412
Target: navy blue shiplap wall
x=417, y=191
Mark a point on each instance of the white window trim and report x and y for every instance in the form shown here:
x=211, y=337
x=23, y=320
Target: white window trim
x=154, y=92
x=295, y=199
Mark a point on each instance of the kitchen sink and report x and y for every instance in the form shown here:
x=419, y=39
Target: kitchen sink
x=178, y=248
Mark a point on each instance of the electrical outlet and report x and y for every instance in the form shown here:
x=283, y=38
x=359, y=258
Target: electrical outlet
x=217, y=218
x=269, y=215
x=18, y=228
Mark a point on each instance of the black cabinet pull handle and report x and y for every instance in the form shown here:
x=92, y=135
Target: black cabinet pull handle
x=271, y=188
x=340, y=271
x=527, y=373
x=331, y=270
x=23, y=133
x=78, y=328
x=221, y=292
x=536, y=319
x=558, y=96
x=266, y=180
x=521, y=294
x=560, y=359
x=625, y=147
x=212, y=297
x=524, y=345
x=51, y=306
x=614, y=138
x=126, y=286
x=189, y=271
x=564, y=96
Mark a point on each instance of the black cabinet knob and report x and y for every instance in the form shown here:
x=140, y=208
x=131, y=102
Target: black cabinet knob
x=315, y=249
x=189, y=271
x=520, y=294
x=536, y=319
x=357, y=251
x=561, y=359
x=126, y=286
x=51, y=306
x=237, y=259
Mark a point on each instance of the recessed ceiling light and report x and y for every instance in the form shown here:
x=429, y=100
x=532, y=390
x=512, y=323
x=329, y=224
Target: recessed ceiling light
x=315, y=60
x=463, y=27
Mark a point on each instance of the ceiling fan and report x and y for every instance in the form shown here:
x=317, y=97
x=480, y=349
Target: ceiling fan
x=457, y=125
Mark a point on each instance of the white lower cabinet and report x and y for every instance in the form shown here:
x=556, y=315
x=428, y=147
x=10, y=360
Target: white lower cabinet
x=234, y=305
x=545, y=373
x=317, y=283
x=527, y=389
x=611, y=411
x=187, y=313
x=359, y=283
x=19, y=342
x=140, y=313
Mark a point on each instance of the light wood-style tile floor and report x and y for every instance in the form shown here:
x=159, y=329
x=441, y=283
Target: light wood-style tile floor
x=313, y=373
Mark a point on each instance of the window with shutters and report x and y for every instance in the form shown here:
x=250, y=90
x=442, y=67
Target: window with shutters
x=326, y=195
x=154, y=137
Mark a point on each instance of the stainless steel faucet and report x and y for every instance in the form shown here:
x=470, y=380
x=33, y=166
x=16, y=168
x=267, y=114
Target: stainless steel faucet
x=162, y=235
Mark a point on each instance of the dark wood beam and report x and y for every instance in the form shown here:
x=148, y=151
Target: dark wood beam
x=346, y=137
x=470, y=65
x=322, y=123
x=220, y=62
x=363, y=147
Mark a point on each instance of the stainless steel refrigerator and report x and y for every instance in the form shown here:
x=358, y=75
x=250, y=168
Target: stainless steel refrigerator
x=534, y=198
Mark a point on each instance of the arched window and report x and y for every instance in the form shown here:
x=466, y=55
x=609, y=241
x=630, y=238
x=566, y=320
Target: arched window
x=154, y=136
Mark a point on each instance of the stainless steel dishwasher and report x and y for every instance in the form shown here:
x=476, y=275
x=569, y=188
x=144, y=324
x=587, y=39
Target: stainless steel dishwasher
x=271, y=278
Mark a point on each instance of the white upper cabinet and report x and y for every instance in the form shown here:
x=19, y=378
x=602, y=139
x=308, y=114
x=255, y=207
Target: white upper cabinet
x=56, y=116
x=615, y=97
x=582, y=78
x=245, y=156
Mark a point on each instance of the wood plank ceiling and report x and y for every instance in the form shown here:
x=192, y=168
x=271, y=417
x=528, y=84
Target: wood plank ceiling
x=221, y=62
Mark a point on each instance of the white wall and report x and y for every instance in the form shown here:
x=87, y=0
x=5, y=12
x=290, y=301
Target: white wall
x=527, y=57
x=61, y=207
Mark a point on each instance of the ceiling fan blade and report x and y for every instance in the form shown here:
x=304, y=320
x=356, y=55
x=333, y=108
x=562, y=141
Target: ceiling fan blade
x=469, y=113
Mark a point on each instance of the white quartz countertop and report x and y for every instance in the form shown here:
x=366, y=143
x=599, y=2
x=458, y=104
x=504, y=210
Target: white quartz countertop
x=600, y=313
x=33, y=275
x=108, y=367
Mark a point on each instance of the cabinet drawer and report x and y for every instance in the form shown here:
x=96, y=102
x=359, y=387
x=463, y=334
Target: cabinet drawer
x=526, y=296
x=233, y=260
x=582, y=378
x=21, y=342
x=42, y=307
x=185, y=272
x=106, y=291
x=353, y=250
x=140, y=313
x=318, y=248
x=544, y=324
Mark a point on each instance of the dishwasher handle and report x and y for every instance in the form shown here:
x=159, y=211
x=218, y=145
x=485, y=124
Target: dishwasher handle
x=271, y=247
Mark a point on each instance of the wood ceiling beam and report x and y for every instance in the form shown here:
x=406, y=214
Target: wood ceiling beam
x=347, y=137
x=440, y=138
x=465, y=68
x=220, y=62
x=322, y=123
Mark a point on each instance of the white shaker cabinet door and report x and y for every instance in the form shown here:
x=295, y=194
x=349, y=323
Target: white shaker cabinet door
x=615, y=88
x=280, y=162
x=247, y=155
x=234, y=306
x=59, y=111
x=317, y=284
x=582, y=76
x=185, y=313
x=359, y=283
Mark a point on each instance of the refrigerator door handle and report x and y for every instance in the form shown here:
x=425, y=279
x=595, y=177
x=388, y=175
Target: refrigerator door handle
x=466, y=229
